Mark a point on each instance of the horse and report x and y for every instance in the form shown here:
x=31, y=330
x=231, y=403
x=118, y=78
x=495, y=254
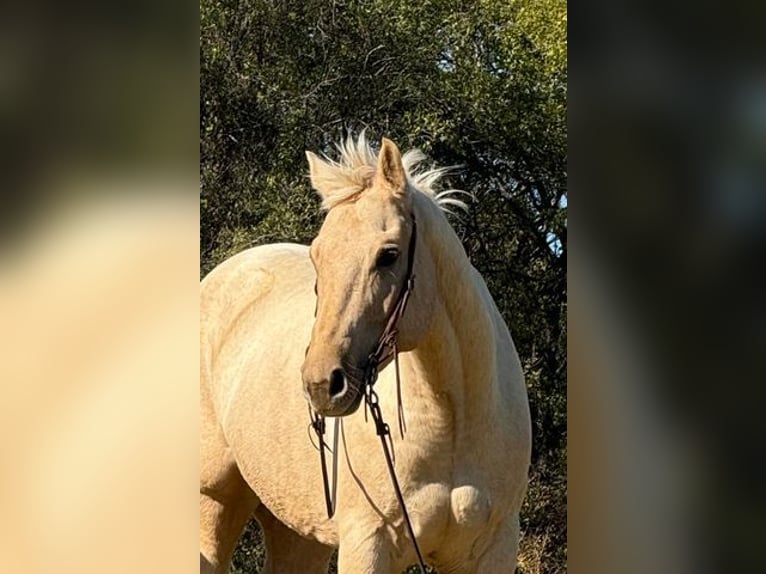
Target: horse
x=287, y=329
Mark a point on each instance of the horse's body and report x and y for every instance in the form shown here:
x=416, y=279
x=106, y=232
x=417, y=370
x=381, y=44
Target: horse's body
x=464, y=458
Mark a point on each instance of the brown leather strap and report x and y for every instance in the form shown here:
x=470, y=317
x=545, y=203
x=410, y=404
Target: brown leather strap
x=371, y=398
x=318, y=424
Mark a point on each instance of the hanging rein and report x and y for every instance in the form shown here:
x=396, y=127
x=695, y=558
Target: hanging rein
x=385, y=350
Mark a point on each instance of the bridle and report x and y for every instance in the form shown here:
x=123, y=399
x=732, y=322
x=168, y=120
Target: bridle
x=384, y=351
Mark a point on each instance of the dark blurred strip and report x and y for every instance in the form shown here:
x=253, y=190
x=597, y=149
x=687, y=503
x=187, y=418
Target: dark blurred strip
x=89, y=89
x=668, y=178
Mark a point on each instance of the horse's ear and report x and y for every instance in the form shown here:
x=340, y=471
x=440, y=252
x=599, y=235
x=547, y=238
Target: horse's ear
x=320, y=173
x=390, y=168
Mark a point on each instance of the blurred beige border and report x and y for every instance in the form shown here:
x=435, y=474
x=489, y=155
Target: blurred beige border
x=99, y=367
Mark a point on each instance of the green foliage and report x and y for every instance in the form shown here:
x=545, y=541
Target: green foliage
x=482, y=87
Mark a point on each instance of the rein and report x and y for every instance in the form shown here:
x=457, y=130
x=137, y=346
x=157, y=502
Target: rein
x=385, y=350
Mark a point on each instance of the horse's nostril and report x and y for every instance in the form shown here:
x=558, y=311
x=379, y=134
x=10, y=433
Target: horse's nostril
x=337, y=382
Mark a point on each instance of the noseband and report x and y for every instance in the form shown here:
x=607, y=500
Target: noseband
x=385, y=350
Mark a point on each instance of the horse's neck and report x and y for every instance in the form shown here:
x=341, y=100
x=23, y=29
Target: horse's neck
x=457, y=355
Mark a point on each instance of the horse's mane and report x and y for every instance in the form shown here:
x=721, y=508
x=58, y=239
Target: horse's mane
x=353, y=172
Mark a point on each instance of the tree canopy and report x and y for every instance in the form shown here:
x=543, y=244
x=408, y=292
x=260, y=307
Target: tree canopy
x=481, y=86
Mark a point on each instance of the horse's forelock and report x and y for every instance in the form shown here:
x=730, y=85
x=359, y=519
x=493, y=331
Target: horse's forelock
x=353, y=173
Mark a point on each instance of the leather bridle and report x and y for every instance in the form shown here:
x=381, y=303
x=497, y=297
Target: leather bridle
x=385, y=350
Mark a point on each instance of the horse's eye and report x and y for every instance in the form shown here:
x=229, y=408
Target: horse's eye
x=387, y=257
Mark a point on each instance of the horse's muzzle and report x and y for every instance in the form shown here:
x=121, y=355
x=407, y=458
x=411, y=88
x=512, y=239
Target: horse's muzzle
x=334, y=396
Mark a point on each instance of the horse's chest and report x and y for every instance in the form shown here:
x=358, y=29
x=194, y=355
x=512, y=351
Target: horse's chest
x=460, y=512
x=470, y=507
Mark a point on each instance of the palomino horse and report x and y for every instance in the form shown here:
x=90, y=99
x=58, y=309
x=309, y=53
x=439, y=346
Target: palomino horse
x=462, y=464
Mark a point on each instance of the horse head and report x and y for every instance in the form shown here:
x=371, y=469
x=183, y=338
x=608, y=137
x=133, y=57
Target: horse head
x=364, y=257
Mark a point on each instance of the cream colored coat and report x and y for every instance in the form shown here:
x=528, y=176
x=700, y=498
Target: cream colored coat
x=463, y=462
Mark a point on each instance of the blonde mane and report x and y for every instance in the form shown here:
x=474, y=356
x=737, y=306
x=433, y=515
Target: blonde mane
x=353, y=172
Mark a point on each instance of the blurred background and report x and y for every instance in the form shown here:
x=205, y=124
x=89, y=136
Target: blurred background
x=99, y=271
x=667, y=322
x=481, y=86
